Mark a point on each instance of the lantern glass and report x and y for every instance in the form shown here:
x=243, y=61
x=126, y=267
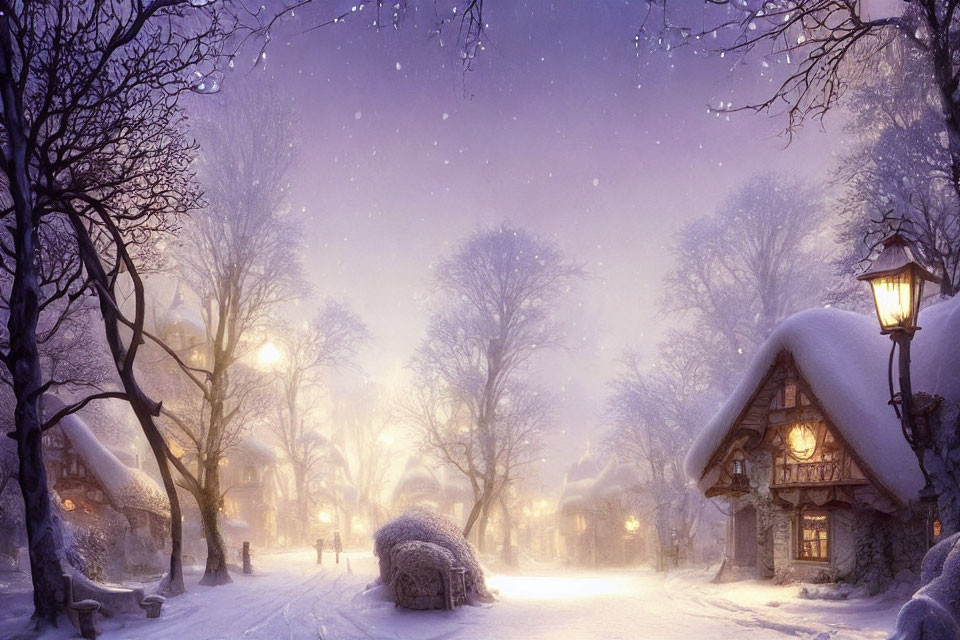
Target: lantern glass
x=897, y=296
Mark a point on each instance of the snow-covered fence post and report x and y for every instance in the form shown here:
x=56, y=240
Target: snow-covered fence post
x=247, y=567
x=85, y=610
x=337, y=545
x=319, y=547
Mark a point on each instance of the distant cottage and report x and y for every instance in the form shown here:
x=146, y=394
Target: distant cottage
x=447, y=492
x=821, y=483
x=599, y=512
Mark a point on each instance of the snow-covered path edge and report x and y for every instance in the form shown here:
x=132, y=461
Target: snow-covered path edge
x=289, y=597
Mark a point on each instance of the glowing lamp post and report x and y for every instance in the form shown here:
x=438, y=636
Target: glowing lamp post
x=896, y=280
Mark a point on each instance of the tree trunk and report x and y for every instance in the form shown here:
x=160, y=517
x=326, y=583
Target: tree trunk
x=215, y=573
x=142, y=406
x=23, y=360
x=174, y=584
x=473, y=516
x=508, y=558
x=482, y=526
x=300, y=479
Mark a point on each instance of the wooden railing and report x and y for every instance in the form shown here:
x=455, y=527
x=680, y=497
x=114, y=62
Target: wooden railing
x=808, y=472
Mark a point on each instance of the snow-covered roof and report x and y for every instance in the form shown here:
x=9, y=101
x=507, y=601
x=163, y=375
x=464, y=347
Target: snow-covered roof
x=125, y=486
x=615, y=478
x=183, y=317
x=454, y=484
x=586, y=467
x=259, y=450
x=843, y=357
x=416, y=477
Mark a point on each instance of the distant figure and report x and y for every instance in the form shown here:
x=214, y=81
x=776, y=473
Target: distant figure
x=337, y=545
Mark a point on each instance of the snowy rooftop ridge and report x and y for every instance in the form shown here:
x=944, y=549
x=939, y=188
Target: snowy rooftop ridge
x=125, y=486
x=182, y=316
x=614, y=478
x=843, y=357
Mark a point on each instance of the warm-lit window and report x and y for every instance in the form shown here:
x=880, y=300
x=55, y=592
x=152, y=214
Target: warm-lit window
x=68, y=505
x=581, y=523
x=937, y=530
x=802, y=441
x=813, y=538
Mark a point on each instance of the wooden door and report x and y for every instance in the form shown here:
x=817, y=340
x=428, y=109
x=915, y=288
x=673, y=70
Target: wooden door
x=745, y=537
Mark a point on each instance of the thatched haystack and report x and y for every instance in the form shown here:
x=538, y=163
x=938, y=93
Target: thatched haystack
x=424, y=525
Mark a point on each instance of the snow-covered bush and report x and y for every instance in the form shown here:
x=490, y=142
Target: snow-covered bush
x=420, y=524
x=934, y=611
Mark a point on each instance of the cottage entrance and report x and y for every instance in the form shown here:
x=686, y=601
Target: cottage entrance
x=745, y=537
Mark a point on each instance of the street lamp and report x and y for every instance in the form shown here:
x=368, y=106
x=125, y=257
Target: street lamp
x=896, y=280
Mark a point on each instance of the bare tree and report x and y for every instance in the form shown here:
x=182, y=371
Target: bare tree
x=328, y=341
x=453, y=22
x=362, y=420
x=744, y=269
x=828, y=47
x=75, y=80
x=526, y=418
x=498, y=290
x=897, y=173
x=655, y=414
x=239, y=254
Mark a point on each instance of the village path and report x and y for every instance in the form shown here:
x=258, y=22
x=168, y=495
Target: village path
x=290, y=598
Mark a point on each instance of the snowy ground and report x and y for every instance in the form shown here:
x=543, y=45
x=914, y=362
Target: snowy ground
x=290, y=597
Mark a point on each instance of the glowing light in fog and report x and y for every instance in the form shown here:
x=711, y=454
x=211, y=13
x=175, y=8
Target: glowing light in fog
x=269, y=355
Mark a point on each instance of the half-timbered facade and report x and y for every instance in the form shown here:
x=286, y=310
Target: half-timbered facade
x=820, y=483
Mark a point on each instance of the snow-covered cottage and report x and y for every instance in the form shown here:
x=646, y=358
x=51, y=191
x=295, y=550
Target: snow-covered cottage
x=110, y=505
x=810, y=455
x=446, y=491
x=250, y=502
x=599, y=513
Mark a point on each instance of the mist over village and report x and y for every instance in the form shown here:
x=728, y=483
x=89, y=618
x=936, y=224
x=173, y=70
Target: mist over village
x=466, y=320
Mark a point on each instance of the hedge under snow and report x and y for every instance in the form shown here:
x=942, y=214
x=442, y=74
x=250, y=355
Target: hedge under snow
x=429, y=526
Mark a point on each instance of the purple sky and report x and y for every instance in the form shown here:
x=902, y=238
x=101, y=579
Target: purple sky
x=562, y=128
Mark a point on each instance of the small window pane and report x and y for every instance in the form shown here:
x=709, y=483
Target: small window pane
x=814, y=536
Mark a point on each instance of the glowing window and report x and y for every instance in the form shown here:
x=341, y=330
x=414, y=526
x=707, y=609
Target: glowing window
x=814, y=536
x=68, y=505
x=802, y=441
